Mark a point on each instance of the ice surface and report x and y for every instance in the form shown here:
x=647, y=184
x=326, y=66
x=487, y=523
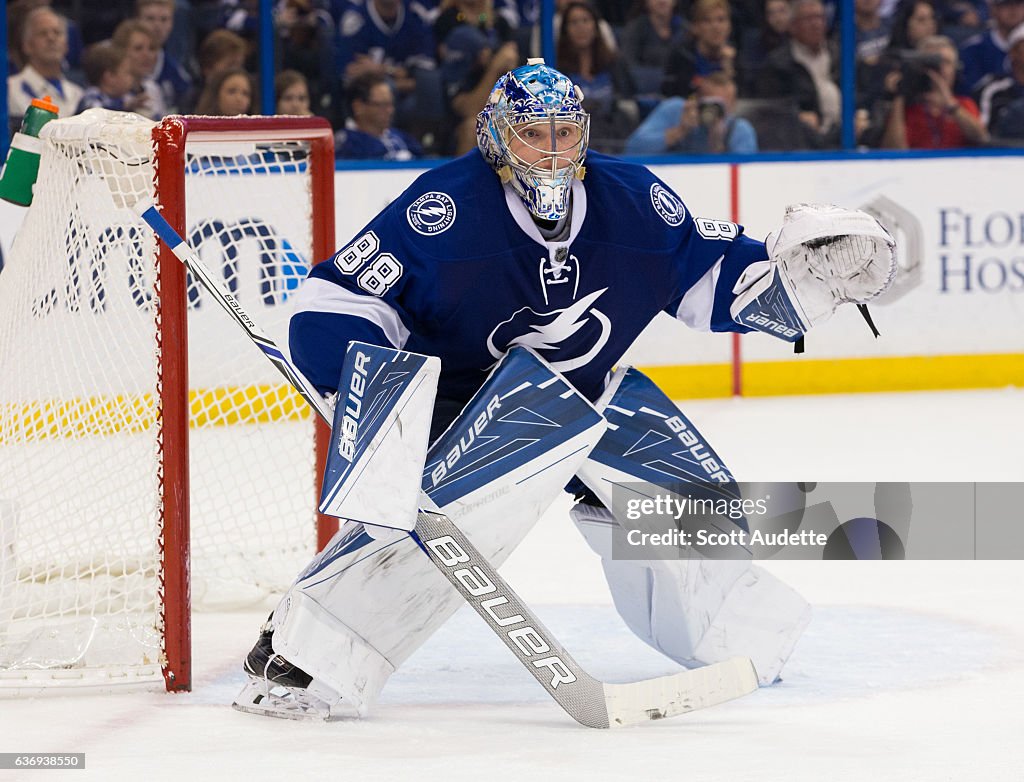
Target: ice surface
x=909, y=670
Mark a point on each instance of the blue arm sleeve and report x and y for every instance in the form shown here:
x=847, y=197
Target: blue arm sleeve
x=742, y=252
x=317, y=342
x=355, y=295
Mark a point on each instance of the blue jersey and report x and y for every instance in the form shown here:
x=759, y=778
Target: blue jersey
x=394, y=144
x=984, y=59
x=456, y=268
x=407, y=42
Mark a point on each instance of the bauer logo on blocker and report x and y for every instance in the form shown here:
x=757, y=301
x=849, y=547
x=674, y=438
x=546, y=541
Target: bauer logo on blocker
x=667, y=204
x=431, y=213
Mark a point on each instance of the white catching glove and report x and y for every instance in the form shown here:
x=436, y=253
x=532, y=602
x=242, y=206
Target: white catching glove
x=823, y=256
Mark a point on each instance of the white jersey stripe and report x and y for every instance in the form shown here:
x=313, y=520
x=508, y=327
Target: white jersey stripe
x=318, y=295
x=696, y=307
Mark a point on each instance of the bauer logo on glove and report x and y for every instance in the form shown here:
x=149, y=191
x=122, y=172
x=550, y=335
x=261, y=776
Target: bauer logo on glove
x=823, y=256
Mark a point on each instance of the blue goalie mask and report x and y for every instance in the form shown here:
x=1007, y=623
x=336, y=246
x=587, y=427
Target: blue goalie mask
x=534, y=131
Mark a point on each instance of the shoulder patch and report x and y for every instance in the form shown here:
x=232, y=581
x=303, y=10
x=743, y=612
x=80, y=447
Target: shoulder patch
x=351, y=23
x=432, y=213
x=668, y=205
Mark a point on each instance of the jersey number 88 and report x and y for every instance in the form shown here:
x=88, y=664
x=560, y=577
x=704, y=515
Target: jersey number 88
x=383, y=271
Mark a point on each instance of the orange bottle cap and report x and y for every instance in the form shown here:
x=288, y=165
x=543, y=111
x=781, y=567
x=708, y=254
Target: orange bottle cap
x=46, y=104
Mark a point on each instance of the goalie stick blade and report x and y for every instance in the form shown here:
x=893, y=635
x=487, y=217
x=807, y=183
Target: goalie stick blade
x=680, y=693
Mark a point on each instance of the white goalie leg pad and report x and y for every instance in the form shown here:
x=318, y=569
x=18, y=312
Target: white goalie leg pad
x=699, y=611
x=372, y=597
x=348, y=673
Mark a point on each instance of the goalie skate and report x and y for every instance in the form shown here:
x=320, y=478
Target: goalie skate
x=276, y=688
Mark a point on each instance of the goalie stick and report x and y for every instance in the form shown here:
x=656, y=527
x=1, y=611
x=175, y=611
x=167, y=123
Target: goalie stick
x=587, y=700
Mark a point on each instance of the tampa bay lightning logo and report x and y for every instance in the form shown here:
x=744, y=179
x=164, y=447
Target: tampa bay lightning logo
x=432, y=213
x=667, y=204
x=578, y=331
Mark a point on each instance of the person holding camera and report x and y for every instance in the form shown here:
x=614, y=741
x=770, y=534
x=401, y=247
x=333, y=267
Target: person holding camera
x=702, y=124
x=924, y=112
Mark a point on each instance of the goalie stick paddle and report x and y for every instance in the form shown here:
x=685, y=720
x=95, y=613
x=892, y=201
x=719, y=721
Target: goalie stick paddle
x=587, y=700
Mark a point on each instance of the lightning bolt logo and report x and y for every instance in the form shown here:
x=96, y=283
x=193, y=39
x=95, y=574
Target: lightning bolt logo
x=547, y=331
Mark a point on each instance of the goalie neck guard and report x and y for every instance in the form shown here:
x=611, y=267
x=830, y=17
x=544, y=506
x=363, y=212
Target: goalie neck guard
x=534, y=132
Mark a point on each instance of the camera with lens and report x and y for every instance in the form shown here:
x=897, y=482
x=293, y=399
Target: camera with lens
x=914, y=67
x=710, y=111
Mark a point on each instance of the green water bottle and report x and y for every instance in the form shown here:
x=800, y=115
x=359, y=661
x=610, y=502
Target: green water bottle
x=22, y=167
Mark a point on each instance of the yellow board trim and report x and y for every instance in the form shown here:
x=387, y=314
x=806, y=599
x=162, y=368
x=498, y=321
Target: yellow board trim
x=131, y=414
x=103, y=416
x=842, y=376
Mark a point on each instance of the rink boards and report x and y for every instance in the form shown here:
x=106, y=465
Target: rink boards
x=952, y=320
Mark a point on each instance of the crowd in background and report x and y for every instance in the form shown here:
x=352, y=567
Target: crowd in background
x=401, y=79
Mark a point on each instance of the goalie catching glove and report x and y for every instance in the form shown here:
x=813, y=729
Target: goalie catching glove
x=823, y=256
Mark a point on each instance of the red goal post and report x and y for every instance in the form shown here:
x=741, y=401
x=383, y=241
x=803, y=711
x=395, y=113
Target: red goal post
x=170, y=138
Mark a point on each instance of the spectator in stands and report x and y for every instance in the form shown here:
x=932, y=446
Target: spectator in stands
x=933, y=117
x=368, y=133
x=17, y=10
x=984, y=56
x=704, y=123
x=221, y=50
x=761, y=40
x=648, y=40
x=608, y=87
x=1002, y=101
x=305, y=35
x=806, y=71
x=109, y=75
x=913, y=21
x=146, y=97
x=175, y=83
x=228, y=93
x=607, y=33
x=872, y=33
x=387, y=38
x=292, y=91
x=470, y=66
x=44, y=43
x=710, y=50
x=384, y=37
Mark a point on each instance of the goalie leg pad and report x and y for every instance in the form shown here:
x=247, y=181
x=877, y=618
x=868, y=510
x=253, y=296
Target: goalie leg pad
x=700, y=611
x=347, y=672
x=372, y=597
x=695, y=611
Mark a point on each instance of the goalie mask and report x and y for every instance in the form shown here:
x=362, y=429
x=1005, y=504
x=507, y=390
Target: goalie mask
x=533, y=131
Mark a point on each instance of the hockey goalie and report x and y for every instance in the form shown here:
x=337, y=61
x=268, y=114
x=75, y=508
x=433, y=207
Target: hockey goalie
x=528, y=267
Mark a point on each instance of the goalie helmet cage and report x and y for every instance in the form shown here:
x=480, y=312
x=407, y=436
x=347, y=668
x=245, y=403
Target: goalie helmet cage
x=139, y=464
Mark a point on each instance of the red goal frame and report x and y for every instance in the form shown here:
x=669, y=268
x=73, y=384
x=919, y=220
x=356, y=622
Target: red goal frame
x=169, y=141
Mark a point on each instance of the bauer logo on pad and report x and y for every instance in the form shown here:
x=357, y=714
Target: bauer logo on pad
x=379, y=441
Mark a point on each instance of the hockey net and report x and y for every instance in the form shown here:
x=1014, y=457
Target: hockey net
x=145, y=444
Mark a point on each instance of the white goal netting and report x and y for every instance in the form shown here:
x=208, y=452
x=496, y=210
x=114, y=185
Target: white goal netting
x=82, y=345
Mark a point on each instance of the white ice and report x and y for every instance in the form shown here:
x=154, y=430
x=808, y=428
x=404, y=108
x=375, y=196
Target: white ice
x=909, y=670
